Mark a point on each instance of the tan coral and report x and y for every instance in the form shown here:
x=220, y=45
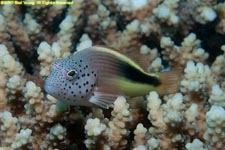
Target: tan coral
x=4, y=36
x=189, y=50
x=197, y=77
x=140, y=138
x=8, y=128
x=221, y=15
x=155, y=114
x=214, y=135
x=118, y=131
x=17, y=30
x=8, y=63
x=166, y=11
x=47, y=55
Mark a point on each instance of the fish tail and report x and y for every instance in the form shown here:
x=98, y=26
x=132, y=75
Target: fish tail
x=170, y=81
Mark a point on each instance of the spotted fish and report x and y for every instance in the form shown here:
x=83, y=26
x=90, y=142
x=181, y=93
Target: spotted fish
x=98, y=75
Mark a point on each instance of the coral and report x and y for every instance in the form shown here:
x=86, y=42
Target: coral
x=158, y=34
x=217, y=96
x=189, y=50
x=22, y=138
x=206, y=14
x=167, y=11
x=47, y=55
x=117, y=125
x=197, y=77
x=57, y=132
x=196, y=144
x=139, y=138
x=221, y=25
x=214, y=134
x=8, y=127
x=113, y=131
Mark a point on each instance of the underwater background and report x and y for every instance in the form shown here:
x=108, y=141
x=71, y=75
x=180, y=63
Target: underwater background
x=189, y=34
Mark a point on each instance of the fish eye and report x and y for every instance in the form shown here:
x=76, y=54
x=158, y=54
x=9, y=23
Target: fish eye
x=71, y=74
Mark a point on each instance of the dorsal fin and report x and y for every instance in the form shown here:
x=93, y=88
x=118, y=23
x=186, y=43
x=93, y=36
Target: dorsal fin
x=107, y=60
x=141, y=59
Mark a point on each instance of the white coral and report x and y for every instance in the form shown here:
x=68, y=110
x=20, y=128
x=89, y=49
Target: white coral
x=217, y=96
x=205, y=14
x=131, y=5
x=7, y=120
x=57, y=132
x=167, y=11
x=195, y=145
x=22, y=138
x=94, y=127
x=197, y=77
x=47, y=55
x=215, y=119
x=173, y=110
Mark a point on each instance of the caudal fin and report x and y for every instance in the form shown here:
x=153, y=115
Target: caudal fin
x=170, y=81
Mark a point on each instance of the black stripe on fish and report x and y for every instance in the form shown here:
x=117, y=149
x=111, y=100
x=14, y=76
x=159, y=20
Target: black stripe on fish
x=136, y=75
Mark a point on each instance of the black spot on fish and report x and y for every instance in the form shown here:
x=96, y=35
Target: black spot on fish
x=69, y=87
x=87, y=82
x=77, y=83
x=83, y=75
x=88, y=74
x=80, y=60
x=74, y=95
x=79, y=86
x=86, y=90
x=82, y=96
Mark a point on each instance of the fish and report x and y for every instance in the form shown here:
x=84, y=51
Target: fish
x=98, y=75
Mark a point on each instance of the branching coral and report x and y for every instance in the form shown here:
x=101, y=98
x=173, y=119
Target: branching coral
x=175, y=35
x=214, y=134
x=221, y=25
x=114, y=131
x=167, y=11
x=189, y=50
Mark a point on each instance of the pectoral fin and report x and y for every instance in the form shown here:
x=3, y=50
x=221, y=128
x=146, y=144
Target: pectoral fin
x=104, y=100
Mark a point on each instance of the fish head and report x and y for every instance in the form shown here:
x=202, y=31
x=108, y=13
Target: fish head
x=71, y=80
